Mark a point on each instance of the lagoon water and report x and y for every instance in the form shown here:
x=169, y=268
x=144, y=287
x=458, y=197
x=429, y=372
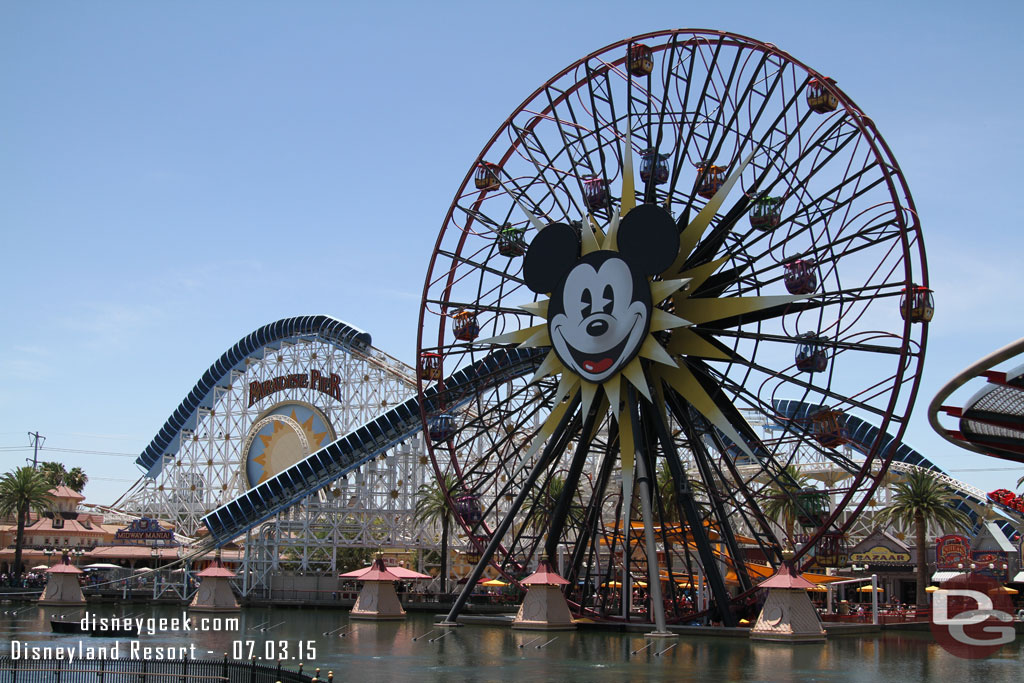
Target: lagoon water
x=367, y=652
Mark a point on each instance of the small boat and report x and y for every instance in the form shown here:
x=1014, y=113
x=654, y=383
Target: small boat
x=66, y=626
x=75, y=626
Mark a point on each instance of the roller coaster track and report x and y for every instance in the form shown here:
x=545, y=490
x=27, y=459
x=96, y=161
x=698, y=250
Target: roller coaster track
x=361, y=445
x=860, y=436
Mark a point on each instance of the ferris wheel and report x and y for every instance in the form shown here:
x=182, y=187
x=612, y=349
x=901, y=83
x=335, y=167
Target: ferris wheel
x=686, y=228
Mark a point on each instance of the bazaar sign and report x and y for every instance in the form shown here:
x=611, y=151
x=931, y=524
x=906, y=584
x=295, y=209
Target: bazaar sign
x=880, y=555
x=144, y=531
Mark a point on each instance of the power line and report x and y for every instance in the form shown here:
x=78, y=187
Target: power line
x=69, y=450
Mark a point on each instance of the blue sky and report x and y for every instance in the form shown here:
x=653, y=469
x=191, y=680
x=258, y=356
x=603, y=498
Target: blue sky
x=177, y=174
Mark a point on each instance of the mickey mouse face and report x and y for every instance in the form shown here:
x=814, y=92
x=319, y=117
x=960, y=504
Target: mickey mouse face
x=600, y=310
x=599, y=316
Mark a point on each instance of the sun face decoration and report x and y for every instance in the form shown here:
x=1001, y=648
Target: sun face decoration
x=284, y=435
x=609, y=293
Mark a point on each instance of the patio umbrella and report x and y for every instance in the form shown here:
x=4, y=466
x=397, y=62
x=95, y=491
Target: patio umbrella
x=40, y=567
x=867, y=589
x=931, y=589
x=493, y=582
x=101, y=565
x=1005, y=590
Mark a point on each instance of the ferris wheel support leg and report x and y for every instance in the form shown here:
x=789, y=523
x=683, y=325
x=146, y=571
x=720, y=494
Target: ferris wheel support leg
x=693, y=519
x=653, y=571
x=554, y=445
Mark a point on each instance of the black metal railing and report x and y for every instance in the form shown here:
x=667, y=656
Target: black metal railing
x=141, y=671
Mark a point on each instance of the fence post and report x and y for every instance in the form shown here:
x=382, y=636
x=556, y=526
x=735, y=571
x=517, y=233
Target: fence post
x=59, y=665
x=14, y=670
x=225, y=670
x=252, y=670
x=142, y=674
x=184, y=669
x=103, y=666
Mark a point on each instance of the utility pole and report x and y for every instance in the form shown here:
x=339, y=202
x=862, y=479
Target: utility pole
x=37, y=441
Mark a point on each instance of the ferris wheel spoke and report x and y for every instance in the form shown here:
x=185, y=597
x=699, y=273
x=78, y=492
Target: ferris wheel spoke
x=818, y=390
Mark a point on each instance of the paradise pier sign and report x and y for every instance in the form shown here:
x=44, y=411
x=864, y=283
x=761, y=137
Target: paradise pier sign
x=314, y=379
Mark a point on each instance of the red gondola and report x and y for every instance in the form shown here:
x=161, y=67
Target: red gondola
x=829, y=428
x=464, y=326
x=640, y=60
x=595, y=192
x=800, y=276
x=918, y=304
x=486, y=177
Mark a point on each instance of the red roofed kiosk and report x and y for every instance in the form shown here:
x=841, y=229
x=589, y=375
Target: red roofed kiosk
x=215, y=594
x=62, y=586
x=378, y=600
x=788, y=614
x=544, y=607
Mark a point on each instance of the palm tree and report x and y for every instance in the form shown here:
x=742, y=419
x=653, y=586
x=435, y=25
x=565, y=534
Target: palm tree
x=22, y=490
x=782, y=498
x=917, y=501
x=53, y=472
x=76, y=479
x=432, y=508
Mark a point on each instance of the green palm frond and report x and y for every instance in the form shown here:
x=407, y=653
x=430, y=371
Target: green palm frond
x=922, y=494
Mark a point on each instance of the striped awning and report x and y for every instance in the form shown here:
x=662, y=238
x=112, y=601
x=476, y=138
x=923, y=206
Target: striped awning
x=939, y=577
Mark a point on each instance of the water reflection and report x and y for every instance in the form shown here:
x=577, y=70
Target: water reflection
x=372, y=651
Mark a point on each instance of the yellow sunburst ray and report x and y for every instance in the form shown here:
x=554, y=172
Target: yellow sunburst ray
x=709, y=310
x=529, y=214
x=538, y=308
x=567, y=384
x=602, y=409
x=588, y=240
x=613, y=390
x=598, y=232
x=539, y=338
x=663, y=289
x=684, y=381
x=548, y=365
x=611, y=240
x=699, y=275
x=691, y=235
x=589, y=391
x=663, y=320
x=634, y=372
x=516, y=336
x=628, y=184
x=546, y=430
x=652, y=350
x=689, y=343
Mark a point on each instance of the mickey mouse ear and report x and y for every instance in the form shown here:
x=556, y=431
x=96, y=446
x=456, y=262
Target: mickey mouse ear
x=648, y=239
x=551, y=254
